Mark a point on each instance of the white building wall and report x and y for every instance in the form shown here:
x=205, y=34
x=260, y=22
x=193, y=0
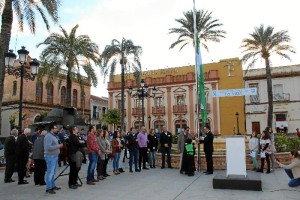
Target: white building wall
x=288, y=103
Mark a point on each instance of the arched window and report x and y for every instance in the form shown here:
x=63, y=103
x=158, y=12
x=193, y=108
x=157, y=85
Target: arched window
x=180, y=125
x=75, y=96
x=39, y=92
x=158, y=125
x=138, y=125
x=50, y=94
x=207, y=123
x=63, y=96
x=82, y=100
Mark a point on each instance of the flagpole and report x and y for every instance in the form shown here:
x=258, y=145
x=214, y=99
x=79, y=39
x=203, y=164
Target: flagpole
x=197, y=85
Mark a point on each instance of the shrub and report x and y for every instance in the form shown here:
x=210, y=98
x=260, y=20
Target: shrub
x=293, y=143
x=286, y=144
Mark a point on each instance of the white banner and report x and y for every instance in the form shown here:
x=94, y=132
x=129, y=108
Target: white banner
x=234, y=92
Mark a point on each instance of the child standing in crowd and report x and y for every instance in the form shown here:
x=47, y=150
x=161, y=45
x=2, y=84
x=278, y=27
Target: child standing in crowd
x=253, y=147
x=190, y=153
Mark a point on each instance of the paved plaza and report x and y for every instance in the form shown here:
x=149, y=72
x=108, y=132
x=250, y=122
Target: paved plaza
x=164, y=184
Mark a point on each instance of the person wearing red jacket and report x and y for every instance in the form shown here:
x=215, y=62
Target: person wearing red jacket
x=93, y=152
x=298, y=132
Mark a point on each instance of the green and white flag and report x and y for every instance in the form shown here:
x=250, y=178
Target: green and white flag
x=200, y=72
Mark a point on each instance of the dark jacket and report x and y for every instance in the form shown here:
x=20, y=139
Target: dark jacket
x=166, y=139
x=153, y=142
x=22, y=148
x=208, y=142
x=74, y=144
x=10, y=146
x=131, y=142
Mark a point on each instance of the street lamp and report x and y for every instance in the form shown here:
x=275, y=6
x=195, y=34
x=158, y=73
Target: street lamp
x=142, y=93
x=149, y=120
x=237, y=123
x=11, y=69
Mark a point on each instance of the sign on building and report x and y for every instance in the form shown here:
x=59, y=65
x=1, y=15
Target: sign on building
x=234, y=92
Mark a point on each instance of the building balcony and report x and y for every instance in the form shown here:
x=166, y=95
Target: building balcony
x=137, y=111
x=159, y=110
x=281, y=97
x=207, y=108
x=180, y=109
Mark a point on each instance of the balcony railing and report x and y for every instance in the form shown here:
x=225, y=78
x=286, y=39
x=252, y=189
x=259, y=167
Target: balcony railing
x=281, y=97
x=159, y=110
x=137, y=111
x=180, y=109
x=207, y=108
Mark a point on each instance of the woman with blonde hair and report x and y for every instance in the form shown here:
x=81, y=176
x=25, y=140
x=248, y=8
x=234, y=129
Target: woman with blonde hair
x=101, y=158
x=152, y=145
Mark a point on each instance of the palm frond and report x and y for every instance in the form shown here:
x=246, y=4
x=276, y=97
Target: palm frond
x=207, y=29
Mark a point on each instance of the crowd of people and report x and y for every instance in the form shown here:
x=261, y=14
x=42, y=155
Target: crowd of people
x=51, y=148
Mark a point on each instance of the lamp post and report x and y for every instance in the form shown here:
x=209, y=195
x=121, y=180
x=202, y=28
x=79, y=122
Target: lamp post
x=237, y=123
x=21, y=72
x=149, y=120
x=142, y=93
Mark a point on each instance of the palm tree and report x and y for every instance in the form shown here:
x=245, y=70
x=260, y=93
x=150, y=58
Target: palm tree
x=264, y=42
x=25, y=11
x=127, y=55
x=70, y=51
x=206, y=28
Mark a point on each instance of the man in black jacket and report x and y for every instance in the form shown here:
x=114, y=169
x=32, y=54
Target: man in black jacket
x=22, y=151
x=10, y=155
x=75, y=157
x=166, y=144
x=132, y=147
x=208, y=141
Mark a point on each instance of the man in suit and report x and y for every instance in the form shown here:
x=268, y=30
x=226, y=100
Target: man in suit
x=10, y=155
x=22, y=151
x=166, y=144
x=208, y=141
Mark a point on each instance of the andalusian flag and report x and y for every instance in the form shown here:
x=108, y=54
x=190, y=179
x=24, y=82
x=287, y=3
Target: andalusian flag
x=200, y=72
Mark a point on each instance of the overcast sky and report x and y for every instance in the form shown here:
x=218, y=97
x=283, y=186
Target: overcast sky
x=147, y=23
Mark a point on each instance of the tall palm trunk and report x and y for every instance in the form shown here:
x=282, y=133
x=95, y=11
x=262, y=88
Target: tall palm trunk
x=7, y=20
x=69, y=87
x=270, y=92
x=122, y=93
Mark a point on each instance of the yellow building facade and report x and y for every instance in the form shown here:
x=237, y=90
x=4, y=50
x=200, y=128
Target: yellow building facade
x=175, y=102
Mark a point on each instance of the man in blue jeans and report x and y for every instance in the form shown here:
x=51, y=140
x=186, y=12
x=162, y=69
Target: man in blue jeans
x=93, y=151
x=132, y=146
x=51, y=152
